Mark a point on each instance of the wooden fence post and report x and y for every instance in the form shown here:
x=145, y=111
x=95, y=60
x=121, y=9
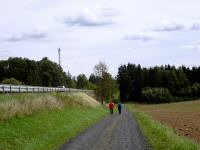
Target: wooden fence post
x=10, y=89
x=3, y=89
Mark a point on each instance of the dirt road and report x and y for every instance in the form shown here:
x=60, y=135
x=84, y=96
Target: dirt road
x=115, y=132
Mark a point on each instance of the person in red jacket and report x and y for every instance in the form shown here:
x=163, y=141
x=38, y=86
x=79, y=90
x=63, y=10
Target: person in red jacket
x=111, y=106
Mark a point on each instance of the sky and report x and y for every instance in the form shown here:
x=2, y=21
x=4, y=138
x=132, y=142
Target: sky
x=146, y=32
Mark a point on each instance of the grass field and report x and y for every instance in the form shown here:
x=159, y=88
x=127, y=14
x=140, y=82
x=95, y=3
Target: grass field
x=46, y=130
x=19, y=105
x=167, y=126
x=19, y=97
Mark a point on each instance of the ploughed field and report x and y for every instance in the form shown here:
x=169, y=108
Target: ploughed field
x=183, y=117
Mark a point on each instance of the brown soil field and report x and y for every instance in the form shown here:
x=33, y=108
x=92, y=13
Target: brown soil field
x=183, y=117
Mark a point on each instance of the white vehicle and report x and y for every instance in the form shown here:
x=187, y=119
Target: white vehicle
x=62, y=86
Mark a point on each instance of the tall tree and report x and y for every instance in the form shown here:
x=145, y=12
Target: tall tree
x=100, y=69
x=105, y=84
x=70, y=80
x=82, y=81
x=94, y=79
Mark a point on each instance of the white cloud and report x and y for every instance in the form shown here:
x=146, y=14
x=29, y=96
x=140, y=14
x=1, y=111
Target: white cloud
x=177, y=25
x=95, y=16
x=142, y=37
x=195, y=45
x=169, y=26
x=36, y=33
x=195, y=25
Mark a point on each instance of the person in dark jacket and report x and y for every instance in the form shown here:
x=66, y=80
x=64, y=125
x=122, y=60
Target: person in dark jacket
x=119, y=106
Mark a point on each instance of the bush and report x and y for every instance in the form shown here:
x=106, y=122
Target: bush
x=11, y=81
x=91, y=86
x=156, y=95
x=196, y=89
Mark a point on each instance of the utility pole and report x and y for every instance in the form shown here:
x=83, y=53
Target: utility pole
x=59, y=57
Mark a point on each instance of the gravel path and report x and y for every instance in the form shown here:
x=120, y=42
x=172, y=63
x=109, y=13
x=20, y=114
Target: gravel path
x=115, y=132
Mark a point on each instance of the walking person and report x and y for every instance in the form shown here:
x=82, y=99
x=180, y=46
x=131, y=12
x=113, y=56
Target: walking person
x=119, y=106
x=111, y=106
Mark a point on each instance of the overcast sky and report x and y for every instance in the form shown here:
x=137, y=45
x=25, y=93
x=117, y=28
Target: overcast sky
x=149, y=32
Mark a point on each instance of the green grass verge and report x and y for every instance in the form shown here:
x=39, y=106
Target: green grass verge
x=160, y=136
x=19, y=97
x=47, y=130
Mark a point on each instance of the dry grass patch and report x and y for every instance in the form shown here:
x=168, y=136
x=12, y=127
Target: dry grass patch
x=85, y=100
x=13, y=109
x=46, y=102
x=77, y=99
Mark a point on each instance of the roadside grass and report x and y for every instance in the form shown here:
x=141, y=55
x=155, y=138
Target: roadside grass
x=11, y=109
x=160, y=136
x=19, y=97
x=47, y=131
x=28, y=104
x=76, y=99
x=45, y=121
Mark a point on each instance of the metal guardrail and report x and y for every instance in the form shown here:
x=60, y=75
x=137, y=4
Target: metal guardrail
x=6, y=88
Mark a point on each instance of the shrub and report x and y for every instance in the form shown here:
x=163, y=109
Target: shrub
x=156, y=95
x=11, y=81
x=196, y=89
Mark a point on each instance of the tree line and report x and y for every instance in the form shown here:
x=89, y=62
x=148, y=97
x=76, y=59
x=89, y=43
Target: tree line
x=159, y=84
x=31, y=72
x=47, y=73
